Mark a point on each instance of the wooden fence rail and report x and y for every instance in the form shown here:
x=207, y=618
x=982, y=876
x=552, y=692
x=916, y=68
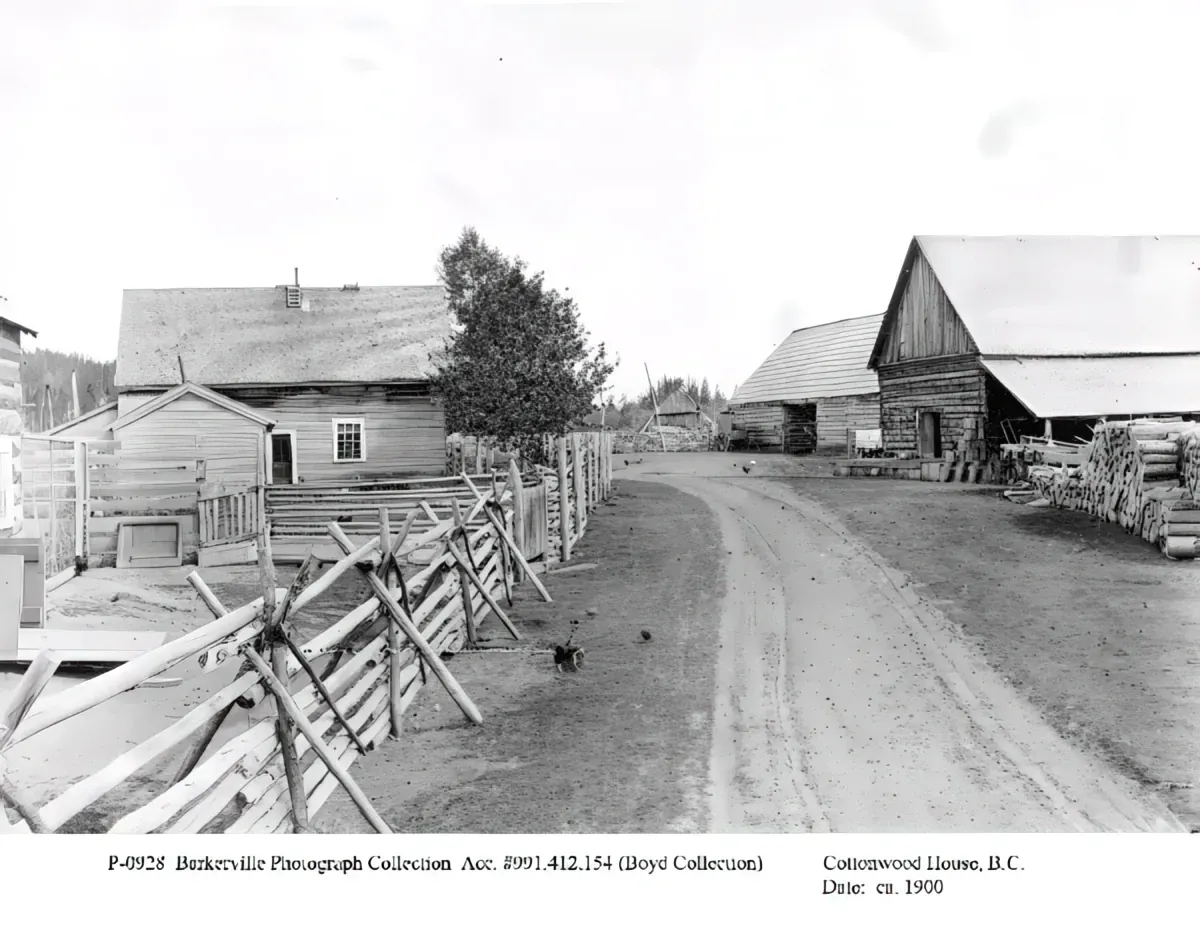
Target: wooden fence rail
x=374, y=661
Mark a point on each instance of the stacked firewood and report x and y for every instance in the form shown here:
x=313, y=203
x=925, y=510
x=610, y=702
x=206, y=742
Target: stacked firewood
x=1131, y=475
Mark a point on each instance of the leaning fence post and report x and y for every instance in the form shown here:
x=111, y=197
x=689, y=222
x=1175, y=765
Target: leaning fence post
x=518, y=504
x=564, y=503
x=272, y=617
x=578, y=488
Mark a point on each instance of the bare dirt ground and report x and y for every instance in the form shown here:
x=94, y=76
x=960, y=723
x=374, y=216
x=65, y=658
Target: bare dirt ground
x=848, y=699
x=827, y=654
x=621, y=746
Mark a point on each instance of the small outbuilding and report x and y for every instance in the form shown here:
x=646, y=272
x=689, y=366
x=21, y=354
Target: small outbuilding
x=680, y=410
x=811, y=389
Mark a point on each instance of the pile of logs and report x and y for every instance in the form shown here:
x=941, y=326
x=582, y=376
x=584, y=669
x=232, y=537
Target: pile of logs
x=1134, y=473
x=668, y=438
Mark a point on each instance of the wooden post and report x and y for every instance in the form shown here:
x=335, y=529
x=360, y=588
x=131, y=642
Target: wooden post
x=564, y=503
x=404, y=621
x=514, y=486
x=654, y=399
x=386, y=566
x=578, y=488
x=479, y=455
x=51, y=560
x=849, y=443
x=463, y=581
x=74, y=396
x=295, y=715
x=507, y=568
x=279, y=655
x=80, y=494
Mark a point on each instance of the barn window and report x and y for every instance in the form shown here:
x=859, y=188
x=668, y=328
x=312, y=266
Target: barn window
x=349, y=440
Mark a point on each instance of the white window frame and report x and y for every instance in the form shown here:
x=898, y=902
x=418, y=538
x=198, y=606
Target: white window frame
x=362, y=426
x=271, y=455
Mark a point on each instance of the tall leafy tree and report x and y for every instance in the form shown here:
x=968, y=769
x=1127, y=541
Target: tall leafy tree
x=518, y=364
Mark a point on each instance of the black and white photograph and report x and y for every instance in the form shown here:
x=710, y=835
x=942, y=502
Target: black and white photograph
x=600, y=419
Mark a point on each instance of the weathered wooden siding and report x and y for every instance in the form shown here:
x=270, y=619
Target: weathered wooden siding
x=952, y=386
x=191, y=429
x=405, y=431
x=836, y=414
x=11, y=413
x=925, y=324
x=763, y=423
x=131, y=401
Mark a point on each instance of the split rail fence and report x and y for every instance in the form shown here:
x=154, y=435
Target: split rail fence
x=437, y=574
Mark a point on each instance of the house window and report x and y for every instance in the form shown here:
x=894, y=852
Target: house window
x=349, y=440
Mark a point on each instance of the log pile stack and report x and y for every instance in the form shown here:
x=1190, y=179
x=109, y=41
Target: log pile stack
x=1134, y=474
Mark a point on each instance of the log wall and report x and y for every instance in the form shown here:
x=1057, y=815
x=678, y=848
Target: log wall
x=764, y=422
x=954, y=387
x=835, y=415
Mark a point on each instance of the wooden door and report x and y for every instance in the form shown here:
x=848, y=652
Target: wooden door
x=929, y=436
x=282, y=459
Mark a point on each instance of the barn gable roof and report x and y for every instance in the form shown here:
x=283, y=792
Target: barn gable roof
x=679, y=402
x=1064, y=295
x=241, y=337
x=820, y=362
x=200, y=392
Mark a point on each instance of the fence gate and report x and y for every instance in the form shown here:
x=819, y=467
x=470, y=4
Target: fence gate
x=229, y=526
x=53, y=489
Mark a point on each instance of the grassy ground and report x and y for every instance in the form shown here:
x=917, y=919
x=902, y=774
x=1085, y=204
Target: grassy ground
x=621, y=746
x=1093, y=626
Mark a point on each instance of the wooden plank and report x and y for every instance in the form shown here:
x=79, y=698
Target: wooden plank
x=12, y=582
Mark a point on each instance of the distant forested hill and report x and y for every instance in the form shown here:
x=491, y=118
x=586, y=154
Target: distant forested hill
x=40, y=368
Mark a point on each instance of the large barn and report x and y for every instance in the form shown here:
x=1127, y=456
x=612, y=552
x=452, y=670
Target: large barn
x=812, y=388
x=989, y=338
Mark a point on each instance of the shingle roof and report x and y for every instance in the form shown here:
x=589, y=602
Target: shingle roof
x=816, y=363
x=1046, y=295
x=250, y=336
x=679, y=402
x=1089, y=387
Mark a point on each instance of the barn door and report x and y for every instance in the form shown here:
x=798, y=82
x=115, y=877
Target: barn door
x=799, y=428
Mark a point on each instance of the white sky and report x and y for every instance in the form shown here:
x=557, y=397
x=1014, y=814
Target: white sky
x=704, y=176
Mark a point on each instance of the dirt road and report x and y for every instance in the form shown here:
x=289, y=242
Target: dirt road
x=846, y=703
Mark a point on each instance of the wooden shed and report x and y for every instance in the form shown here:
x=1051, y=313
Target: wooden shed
x=989, y=338
x=680, y=410
x=811, y=389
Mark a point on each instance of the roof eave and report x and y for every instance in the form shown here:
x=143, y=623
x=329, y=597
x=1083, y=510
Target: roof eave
x=391, y=381
x=21, y=328
x=910, y=257
x=87, y=416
